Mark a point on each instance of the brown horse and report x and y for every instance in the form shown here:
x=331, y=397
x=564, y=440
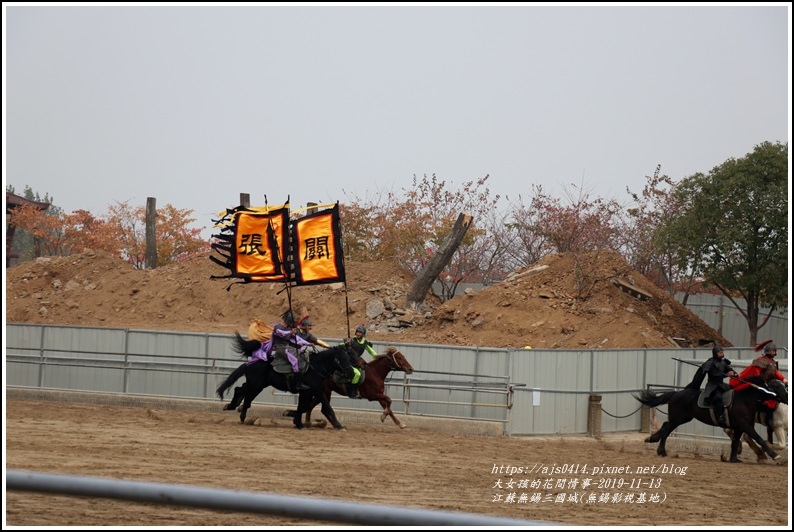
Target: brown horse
x=374, y=383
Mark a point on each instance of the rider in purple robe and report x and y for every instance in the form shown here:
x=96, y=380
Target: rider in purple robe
x=263, y=353
x=285, y=343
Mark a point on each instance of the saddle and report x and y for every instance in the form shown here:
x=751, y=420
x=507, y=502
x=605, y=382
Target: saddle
x=281, y=364
x=727, y=399
x=341, y=380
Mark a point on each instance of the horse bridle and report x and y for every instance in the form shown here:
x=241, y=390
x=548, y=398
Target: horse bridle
x=395, y=365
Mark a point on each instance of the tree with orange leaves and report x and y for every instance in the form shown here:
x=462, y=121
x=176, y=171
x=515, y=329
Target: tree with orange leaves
x=121, y=231
x=409, y=227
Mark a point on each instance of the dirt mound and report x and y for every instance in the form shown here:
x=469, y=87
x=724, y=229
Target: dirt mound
x=573, y=301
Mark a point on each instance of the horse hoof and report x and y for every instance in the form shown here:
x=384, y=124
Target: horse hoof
x=402, y=425
x=735, y=460
x=226, y=407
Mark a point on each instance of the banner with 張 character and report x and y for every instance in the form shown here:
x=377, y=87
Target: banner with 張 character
x=254, y=243
x=266, y=244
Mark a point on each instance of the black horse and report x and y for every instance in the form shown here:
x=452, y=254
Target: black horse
x=740, y=410
x=261, y=374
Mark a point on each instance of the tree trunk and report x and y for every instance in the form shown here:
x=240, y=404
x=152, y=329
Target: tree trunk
x=151, y=234
x=424, y=280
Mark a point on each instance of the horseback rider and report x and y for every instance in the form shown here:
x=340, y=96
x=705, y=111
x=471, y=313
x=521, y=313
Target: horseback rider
x=286, y=344
x=359, y=345
x=304, y=331
x=760, y=366
x=716, y=369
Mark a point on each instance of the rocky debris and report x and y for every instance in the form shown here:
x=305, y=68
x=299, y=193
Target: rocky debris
x=564, y=301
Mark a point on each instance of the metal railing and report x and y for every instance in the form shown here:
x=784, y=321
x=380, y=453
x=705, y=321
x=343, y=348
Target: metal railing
x=424, y=393
x=462, y=382
x=315, y=509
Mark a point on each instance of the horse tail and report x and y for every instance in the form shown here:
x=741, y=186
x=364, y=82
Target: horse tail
x=244, y=347
x=649, y=398
x=231, y=379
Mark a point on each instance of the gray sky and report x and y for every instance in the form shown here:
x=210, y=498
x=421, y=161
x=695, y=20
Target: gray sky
x=194, y=105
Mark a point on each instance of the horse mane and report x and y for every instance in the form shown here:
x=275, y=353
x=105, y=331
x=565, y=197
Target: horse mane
x=758, y=380
x=377, y=360
x=323, y=355
x=388, y=351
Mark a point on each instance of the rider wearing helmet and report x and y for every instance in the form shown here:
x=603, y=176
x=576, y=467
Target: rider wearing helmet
x=286, y=344
x=304, y=331
x=770, y=352
x=716, y=369
x=359, y=345
x=762, y=366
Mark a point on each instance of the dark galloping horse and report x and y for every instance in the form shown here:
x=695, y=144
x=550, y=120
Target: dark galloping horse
x=780, y=419
x=374, y=384
x=740, y=411
x=260, y=375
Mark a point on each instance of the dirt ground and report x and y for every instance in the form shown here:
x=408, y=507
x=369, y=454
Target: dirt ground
x=564, y=301
x=568, y=301
x=369, y=463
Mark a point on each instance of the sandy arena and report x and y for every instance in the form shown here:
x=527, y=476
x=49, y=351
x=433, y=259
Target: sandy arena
x=421, y=466
x=370, y=463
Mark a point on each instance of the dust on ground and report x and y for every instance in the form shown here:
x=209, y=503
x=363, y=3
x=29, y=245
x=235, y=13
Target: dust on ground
x=367, y=463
